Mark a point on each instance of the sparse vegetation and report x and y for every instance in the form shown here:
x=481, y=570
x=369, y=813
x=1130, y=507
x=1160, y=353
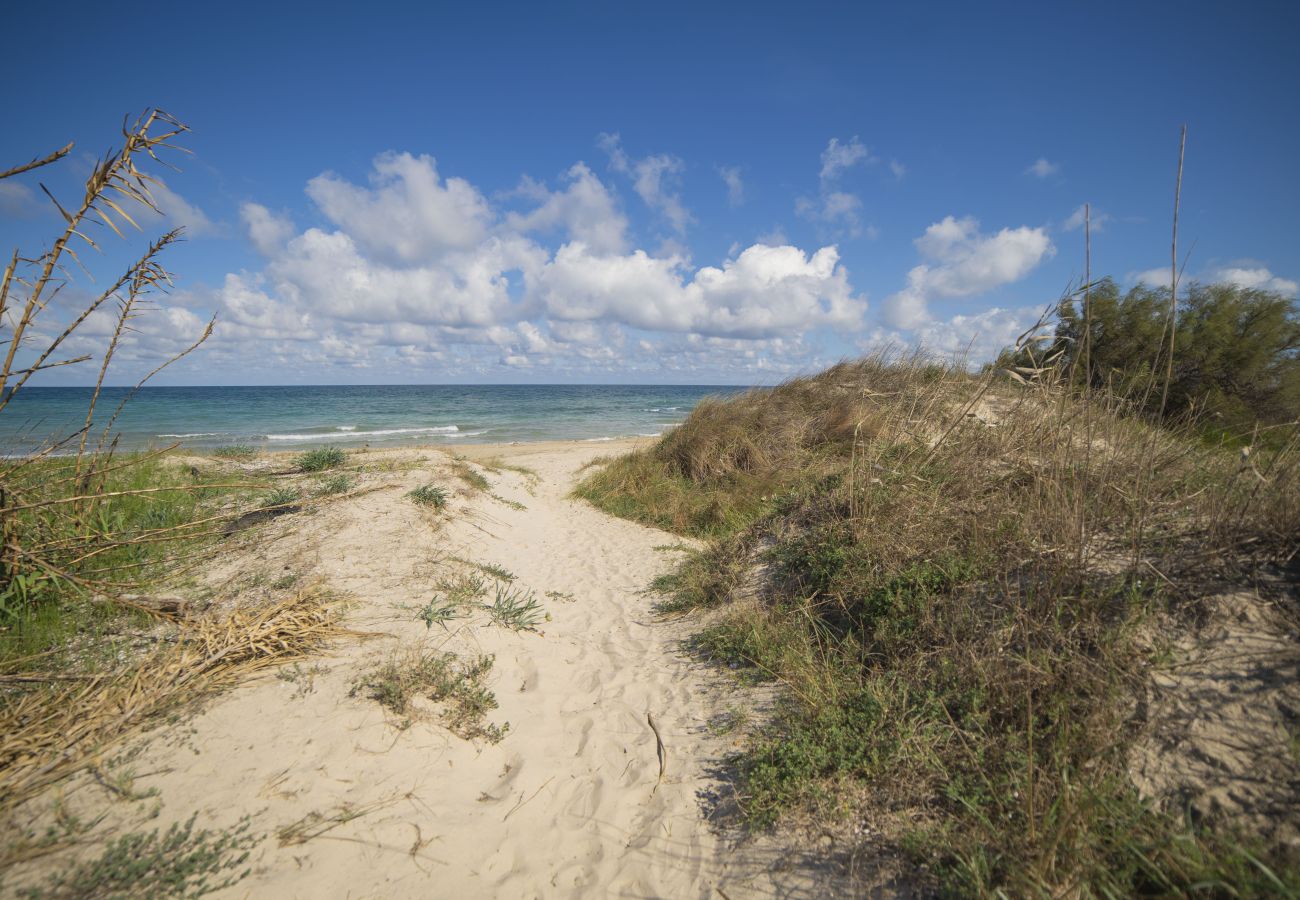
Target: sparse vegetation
x=320, y=459
x=440, y=611
x=513, y=504
x=500, y=573
x=180, y=863
x=465, y=472
x=456, y=685
x=950, y=578
x=429, y=495
x=334, y=484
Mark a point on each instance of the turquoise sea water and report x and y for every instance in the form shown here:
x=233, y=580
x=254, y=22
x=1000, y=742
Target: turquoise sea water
x=290, y=418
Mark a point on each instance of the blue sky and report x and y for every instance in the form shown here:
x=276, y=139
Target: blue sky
x=703, y=193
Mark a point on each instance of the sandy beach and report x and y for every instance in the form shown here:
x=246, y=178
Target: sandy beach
x=570, y=802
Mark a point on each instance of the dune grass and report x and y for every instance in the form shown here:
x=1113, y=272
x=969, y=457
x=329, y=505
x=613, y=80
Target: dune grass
x=320, y=459
x=956, y=581
x=456, y=685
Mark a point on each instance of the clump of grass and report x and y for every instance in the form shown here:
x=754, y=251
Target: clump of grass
x=334, y=484
x=320, y=459
x=457, y=685
x=429, y=495
x=180, y=862
x=240, y=452
x=516, y=609
x=440, y=611
x=513, y=504
x=561, y=596
x=948, y=577
x=282, y=496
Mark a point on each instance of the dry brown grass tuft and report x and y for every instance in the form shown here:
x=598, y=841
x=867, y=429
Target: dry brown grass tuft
x=47, y=734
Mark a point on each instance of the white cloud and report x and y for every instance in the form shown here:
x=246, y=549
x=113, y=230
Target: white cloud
x=408, y=214
x=762, y=292
x=961, y=262
x=1041, y=168
x=268, y=231
x=1157, y=277
x=1258, y=277
x=654, y=178
x=735, y=184
x=898, y=169
x=838, y=157
x=1076, y=220
x=585, y=210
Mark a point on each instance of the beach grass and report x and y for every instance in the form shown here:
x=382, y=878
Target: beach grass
x=456, y=685
x=320, y=459
x=429, y=495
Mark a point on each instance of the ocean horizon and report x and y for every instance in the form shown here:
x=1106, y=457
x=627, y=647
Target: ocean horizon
x=289, y=417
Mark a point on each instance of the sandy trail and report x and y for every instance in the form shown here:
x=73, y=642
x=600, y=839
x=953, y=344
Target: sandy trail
x=569, y=803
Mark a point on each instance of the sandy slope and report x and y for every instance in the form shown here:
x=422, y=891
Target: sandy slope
x=565, y=805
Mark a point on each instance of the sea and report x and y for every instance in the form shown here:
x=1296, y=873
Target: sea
x=348, y=416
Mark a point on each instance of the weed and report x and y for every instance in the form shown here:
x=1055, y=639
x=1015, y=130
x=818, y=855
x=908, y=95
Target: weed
x=320, y=459
x=516, y=609
x=462, y=588
x=456, y=685
x=284, y=582
x=429, y=495
x=303, y=678
x=179, y=863
x=561, y=596
x=334, y=484
x=282, y=496
x=440, y=611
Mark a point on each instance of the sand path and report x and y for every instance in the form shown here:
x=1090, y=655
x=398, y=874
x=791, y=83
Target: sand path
x=569, y=803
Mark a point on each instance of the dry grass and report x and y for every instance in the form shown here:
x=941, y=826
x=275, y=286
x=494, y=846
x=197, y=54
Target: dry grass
x=49, y=733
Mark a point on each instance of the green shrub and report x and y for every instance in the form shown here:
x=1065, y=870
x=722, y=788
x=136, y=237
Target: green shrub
x=429, y=495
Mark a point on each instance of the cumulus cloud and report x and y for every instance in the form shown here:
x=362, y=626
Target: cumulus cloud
x=423, y=272
x=267, y=231
x=585, y=210
x=1077, y=219
x=763, y=291
x=961, y=261
x=834, y=209
x=654, y=178
x=408, y=213
x=1041, y=168
x=735, y=184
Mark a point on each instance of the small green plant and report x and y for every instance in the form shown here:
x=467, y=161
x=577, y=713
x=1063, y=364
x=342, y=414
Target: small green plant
x=284, y=582
x=561, y=596
x=463, y=587
x=429, y=495
x=444, y=678
x=179, y=863
x=320, y=459
x=282, y=496
x=513, y=504
x=241, y=452
x=334, y=484
x=440, y=611
x=303, y=678
x=516, y=609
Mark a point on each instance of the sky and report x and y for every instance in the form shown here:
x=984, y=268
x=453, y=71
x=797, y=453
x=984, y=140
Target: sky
x=653, y=193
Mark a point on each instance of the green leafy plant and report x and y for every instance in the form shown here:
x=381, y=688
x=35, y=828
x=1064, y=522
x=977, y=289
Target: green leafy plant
x=516, y=609
x=429, y=495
